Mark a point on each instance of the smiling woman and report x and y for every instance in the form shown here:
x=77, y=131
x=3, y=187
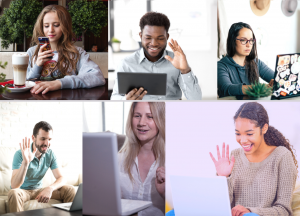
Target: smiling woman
x=241, y=67
x=262, y=174
x=142, y=157
x=65, y=65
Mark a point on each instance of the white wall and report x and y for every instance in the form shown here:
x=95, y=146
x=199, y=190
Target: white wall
x=17, y=120
x=280, y=33
x=193, y=129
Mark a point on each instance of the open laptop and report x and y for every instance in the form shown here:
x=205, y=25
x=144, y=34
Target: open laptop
x=286, y=79
x=102, y=188
x=72, y=206
x=154, y=83
x=196, y=196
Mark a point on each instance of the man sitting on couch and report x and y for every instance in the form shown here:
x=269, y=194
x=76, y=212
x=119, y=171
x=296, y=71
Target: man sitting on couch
x=30, y=165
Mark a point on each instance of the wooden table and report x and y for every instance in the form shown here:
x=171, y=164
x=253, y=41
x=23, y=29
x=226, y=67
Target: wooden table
x=245, y=97
x=96, y=93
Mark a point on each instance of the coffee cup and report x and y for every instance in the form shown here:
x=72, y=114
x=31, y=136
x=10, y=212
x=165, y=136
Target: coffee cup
x=20, y=65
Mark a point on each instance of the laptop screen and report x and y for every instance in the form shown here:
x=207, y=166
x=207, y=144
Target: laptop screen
x=286, y=81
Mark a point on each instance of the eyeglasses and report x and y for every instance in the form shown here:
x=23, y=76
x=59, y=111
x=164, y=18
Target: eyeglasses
x=244, y=41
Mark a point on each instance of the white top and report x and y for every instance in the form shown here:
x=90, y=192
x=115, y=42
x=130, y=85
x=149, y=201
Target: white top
x=138, y=190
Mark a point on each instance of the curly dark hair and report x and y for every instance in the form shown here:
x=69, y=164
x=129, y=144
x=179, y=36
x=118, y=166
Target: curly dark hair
x=250, y=64
x=257, y=114
x=155, y=19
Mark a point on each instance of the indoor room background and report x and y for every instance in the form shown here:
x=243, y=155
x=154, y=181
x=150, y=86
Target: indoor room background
x=194, y=28
x=194, y=129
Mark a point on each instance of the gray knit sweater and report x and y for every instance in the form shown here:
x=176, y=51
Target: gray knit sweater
x=232, y=76
x=265, y=188
x=87, y=74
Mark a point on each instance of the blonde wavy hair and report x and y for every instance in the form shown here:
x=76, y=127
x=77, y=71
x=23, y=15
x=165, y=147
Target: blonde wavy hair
x=132, y=145
x=68, y=55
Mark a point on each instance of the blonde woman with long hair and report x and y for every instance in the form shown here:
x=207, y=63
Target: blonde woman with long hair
x=142, y=157
x=70, y=66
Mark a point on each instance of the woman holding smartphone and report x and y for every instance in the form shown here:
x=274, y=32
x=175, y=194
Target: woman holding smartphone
x=65, y=65
x=262, y=174
x=241, y=67
x=142, y=157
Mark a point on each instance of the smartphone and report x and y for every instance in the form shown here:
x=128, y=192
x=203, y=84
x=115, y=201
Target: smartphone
x=45, y=40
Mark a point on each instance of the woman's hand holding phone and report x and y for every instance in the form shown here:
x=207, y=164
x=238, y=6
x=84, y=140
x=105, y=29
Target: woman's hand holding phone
x=43, y=56
x=223, y=165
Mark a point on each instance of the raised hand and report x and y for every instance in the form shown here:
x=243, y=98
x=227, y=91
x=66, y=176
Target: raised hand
x=26, y=152
x=160, y=181
x=179, y=61
x=223, y=165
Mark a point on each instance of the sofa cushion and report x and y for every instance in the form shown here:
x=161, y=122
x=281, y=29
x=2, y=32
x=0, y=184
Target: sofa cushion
x=6, y=158
x=2, y=206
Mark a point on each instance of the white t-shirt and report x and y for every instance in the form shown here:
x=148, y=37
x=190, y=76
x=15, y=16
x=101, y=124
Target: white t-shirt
x=139, y=190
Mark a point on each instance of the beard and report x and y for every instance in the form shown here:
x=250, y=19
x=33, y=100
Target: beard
x=40, y=148
x=158, y=55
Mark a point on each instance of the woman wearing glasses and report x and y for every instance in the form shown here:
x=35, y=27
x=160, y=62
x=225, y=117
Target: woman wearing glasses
x=241, y=67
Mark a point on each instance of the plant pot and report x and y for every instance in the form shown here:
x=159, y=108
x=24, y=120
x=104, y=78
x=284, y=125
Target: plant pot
x=116, y=47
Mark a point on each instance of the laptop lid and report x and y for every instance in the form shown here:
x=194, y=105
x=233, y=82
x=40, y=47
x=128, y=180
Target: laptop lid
x=196, y=196
x=102, y=192
x=77, y=202
x=286, y=79
x=154, y=83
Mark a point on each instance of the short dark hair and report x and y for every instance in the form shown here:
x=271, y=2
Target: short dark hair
x=155, y=19
x=41, y=125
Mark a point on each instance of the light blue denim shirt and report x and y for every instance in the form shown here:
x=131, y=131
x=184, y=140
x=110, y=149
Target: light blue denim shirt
x=137, y=62
x=36, y=169
x=87, y=74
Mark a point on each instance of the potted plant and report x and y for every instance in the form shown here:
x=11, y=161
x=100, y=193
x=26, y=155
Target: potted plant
x=115, y=43
x=2, y=78
x=258, y=90
x=17, y=22
x=88, y=17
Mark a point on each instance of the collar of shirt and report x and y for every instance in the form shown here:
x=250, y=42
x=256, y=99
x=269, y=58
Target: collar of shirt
x=142, y=56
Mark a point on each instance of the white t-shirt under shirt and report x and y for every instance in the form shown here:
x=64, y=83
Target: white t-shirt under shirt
x=139, y=190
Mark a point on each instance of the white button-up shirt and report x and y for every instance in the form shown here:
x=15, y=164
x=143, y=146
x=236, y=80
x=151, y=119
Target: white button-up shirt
x=139, y=190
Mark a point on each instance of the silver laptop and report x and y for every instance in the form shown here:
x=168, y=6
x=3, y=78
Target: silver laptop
x=196, y=196
x=72, y=206
x=102, y=190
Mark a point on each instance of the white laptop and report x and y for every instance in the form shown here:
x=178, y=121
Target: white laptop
x=102, y=190
x=195, y=196
x=72, y=206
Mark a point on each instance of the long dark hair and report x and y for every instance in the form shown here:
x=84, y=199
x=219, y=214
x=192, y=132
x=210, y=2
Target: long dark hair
x=256, y=113
x=251, y=67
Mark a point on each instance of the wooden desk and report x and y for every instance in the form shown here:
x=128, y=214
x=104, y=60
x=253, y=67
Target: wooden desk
x=96, y=93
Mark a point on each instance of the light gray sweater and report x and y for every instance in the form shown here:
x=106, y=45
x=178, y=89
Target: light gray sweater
x=87, y=74
x=265, y=188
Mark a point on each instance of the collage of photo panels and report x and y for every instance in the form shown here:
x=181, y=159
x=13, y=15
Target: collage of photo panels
x=217, y=132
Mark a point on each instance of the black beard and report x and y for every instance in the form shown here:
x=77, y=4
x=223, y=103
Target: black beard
x=40, y=148
x=158, y=55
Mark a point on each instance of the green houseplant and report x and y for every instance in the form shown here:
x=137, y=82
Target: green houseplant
x=2, y=78
x=115, y=44
x=258, y=90
x=88, y=17
x=17, y=22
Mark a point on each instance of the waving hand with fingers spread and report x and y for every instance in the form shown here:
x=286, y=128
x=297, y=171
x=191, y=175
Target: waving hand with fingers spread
x=179, y=61
x=223, y=165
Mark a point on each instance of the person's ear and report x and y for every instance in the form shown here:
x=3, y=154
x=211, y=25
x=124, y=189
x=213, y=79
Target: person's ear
x=168, y=36
x=265, y=128
x=140, y=35
x=33, y=138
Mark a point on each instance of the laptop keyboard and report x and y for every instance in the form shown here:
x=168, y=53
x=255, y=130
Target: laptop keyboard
x=66, y=206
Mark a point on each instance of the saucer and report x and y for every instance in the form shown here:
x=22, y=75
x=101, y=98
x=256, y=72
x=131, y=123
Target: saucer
x=28, y=85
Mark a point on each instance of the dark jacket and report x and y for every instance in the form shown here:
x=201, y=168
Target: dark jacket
x=231, y=76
